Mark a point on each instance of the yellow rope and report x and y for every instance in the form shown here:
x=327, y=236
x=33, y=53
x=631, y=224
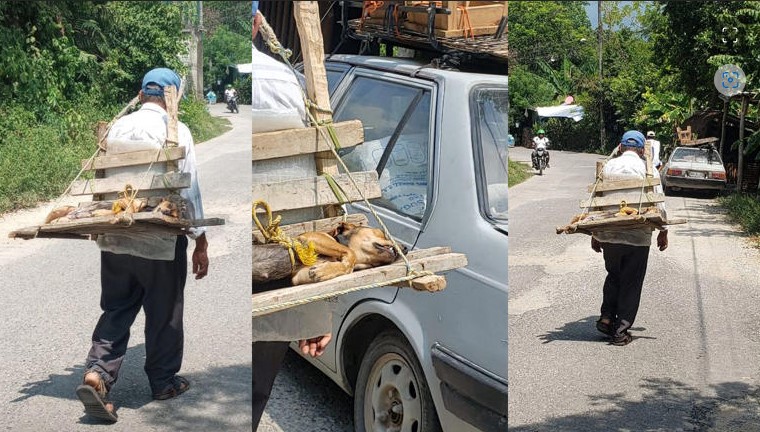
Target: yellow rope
x=306, y=252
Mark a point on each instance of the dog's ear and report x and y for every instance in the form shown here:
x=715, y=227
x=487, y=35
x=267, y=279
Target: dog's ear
x=343, y=228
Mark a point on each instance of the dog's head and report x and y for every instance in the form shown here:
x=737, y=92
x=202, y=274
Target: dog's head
x=370, y=245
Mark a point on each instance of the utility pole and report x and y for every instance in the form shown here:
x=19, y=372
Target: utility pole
x=599, y=28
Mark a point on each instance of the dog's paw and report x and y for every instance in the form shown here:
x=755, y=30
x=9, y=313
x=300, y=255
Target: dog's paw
x=316, y=274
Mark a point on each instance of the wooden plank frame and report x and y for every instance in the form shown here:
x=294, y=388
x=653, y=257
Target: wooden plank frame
x=147, y=222
x=148, y=183
x=630, y=199
x=143, y=157
x=614, y=185
x=294, y=142
x=315, y=191
x=440, y=260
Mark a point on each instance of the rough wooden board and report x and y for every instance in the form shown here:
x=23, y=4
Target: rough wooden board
x=293, y=142
x=611, y=185
x=278, y=299
x=314, y=191
x=145, y=183
x=144, y=157
x=699, y=142
x=431, y=283
x=476, y=31
x=618, y=222
x=294, y=230
x=146, y=222
x=630, y=199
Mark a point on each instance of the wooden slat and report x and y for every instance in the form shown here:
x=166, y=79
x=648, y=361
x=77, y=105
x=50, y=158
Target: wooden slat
x=431, y=283
x=618, y=222
x=143, y=157
x=611, y=185
x=147, y=222
x=110, y=185
x=324, y=225
x=293, y=142
x=476, y=31
x=698, y=142
x=314, y=191
x=630, y=199
x=277, y=299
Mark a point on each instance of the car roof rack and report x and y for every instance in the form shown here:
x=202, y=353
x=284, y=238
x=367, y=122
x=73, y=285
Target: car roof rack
x=486, y=53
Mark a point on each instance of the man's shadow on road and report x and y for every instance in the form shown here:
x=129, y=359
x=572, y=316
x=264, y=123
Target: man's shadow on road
x=190, y=411
x=584, y=330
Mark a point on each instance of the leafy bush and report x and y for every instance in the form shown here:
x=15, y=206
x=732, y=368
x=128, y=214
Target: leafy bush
x=194, y=113
x=744, y=210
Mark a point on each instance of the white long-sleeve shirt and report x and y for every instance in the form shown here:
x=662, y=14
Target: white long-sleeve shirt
x=625, y=167
x=277, y=96
x=145, y=129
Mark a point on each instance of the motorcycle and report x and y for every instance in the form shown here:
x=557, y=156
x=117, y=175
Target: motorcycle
x=540, y=160
x=232, y=104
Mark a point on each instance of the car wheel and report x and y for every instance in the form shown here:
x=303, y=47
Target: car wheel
x=391, y=393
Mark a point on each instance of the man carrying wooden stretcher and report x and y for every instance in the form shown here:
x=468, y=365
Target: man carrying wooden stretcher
x=276, y=90
x=625, y=251
x=143, y=270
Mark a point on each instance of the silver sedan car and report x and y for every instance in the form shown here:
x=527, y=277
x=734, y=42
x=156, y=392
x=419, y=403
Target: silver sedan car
x=694, y=168
x=421, y=362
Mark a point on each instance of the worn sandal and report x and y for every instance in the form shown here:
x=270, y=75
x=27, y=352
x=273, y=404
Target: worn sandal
x=622, y=340
x=179, y=386
x=94, y=396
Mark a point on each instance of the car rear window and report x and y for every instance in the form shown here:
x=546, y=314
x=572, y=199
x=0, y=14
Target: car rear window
x=489, y=112
x=699, y=155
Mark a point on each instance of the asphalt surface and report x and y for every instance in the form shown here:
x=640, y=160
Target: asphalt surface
x=49, y=292
x=304, y=399
x=693, y=363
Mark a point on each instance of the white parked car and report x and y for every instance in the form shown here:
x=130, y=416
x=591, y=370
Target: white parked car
x=694, y=168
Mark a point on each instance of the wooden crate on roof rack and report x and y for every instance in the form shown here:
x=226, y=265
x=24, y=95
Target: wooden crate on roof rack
x=294, y=196
x=475, y=18
x=153, y=207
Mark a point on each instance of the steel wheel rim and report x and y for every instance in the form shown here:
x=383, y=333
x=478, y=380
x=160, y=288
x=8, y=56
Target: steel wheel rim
x=394, y=396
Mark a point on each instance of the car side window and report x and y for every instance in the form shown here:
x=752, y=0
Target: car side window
x=334, y=77
x=396, y=121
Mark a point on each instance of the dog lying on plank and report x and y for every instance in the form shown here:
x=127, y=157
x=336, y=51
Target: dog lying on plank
x=169, y=206
x=347, y=248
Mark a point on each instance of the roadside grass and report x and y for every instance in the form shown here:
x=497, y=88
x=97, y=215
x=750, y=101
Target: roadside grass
x=518, y=172
x=194, y=113
x=40, y=157
x=744, y=209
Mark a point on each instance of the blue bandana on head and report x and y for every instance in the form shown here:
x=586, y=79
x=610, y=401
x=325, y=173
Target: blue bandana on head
x=633, y=138
x=154, y=81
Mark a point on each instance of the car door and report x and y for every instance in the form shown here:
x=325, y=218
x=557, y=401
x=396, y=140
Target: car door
x=397, y=114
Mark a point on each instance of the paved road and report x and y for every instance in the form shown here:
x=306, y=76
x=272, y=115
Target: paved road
x=304, y=399
x=693, y=364
x=49, y=292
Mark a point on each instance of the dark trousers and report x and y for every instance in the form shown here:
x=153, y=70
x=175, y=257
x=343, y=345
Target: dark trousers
x=626, y=267
x=267, y=360
x=129, y=283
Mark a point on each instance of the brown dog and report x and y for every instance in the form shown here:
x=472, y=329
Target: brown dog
x=347, y=248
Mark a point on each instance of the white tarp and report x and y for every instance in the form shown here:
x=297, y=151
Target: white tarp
x=245, y=68
x=574, y=112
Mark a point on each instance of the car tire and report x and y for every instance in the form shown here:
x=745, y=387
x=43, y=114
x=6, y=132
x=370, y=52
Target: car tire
x=666, y=190
x=391, y=393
